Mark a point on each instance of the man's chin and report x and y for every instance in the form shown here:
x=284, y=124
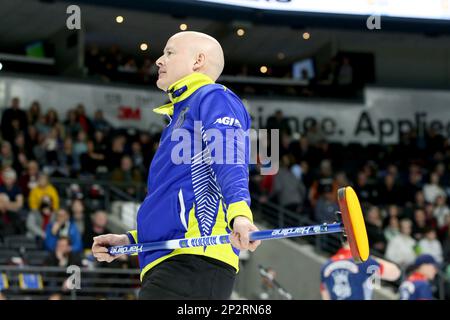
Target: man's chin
x=161, y=85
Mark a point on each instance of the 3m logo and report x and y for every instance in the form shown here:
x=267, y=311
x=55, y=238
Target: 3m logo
x=128, y=113
x=228, y=121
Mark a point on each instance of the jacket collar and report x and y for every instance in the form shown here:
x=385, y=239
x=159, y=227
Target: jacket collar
x=182, y=89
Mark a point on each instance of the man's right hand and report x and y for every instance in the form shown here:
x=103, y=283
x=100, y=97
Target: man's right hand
x=101, y=244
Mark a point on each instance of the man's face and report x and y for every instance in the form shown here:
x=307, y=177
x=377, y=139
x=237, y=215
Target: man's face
x=429, y=270
x=175, y=63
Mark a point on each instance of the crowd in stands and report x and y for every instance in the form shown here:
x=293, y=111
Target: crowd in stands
x=36, y=148
x=334, y=79
x=403, y=188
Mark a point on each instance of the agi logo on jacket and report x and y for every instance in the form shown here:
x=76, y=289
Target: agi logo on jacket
x=229, y=121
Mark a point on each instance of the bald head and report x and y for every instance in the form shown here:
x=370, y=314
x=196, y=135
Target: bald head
x=188, y=52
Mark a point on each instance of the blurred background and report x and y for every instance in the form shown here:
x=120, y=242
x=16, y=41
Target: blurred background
x=359, y=91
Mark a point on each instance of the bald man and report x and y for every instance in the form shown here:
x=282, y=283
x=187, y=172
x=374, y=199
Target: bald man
x=197, y=196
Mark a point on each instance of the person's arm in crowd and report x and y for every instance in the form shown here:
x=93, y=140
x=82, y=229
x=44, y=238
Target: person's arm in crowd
x=50, y=238
x=17, y=204
x=75, y=238
x=32, y=225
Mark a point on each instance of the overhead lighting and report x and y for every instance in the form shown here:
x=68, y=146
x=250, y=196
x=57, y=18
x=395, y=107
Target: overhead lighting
x=281, y=56
x=183, y=26
x=119, y=19
x=1, y=66
x=263, y=69
x=143, y=46
x=240, y=32
x=306, y=35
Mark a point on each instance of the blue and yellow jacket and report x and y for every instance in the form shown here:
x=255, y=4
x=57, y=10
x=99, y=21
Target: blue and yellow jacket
x=195, y=198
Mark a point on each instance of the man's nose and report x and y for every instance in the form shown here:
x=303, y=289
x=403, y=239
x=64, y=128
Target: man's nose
x=159, y=62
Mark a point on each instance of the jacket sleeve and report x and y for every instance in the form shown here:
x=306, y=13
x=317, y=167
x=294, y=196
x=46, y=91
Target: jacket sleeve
x=75, y=238
x=132, y=236
x=223, y=114
x=50, y=239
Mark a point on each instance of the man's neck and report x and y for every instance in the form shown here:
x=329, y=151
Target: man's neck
x=182, y=89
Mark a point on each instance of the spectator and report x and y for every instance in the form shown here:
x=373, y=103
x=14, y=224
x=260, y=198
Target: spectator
x=71, y=124
x=62, y=227
x=83, y=119
x=289, y=190
x=34, y=113
x=446, y=245
x=389, y=192
x=43, y=189
x=116, y=153
x=420, y=199
x=326, y=206
x=63, y=255
x=392, y=229
x=137, y=156
x=10, y=222
x=417, y=286
x=66, y=157
x=325, y=178
x=91, y=160
x=278, y=121
x=430, y=220
x=37, y=221
x=345, y=73
x=314, y=134
x=375, y=233
x=99, y=123
x=6, y=155
x=430, y=245
x=14, y=120
x=401, y=249
x=96, y=228
x=126, y=176
x=365, y=191
x=441, y=210
x=79, y=147
x=301, y=150
x=29, y=180
x=413, y=185
x=433, y=189
x=79, y=217
x=52, y=144
x=11, y=190
x=419, y=224
x=392, y=211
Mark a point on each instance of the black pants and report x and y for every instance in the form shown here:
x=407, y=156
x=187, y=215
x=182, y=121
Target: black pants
x=188, y=276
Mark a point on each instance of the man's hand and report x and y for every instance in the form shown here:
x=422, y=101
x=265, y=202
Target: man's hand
x=101, y=244
x=240, y=236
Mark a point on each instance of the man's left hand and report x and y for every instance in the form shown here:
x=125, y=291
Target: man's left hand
x=240, y=238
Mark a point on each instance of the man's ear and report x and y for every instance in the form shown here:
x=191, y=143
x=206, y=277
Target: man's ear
x=199, y=61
